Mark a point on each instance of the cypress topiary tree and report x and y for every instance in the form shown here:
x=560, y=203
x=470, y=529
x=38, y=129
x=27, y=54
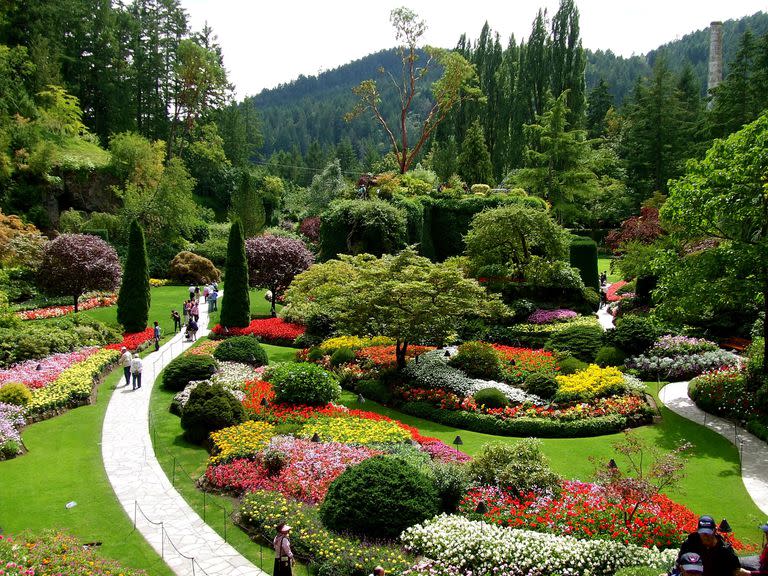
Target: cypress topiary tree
x=236, y=305
x=134, y=297
x=583, y=257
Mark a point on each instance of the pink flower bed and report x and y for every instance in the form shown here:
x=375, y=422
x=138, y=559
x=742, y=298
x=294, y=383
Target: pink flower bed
x=55, y=311
x=548, y=316
x=309, y=469
x=49, y=368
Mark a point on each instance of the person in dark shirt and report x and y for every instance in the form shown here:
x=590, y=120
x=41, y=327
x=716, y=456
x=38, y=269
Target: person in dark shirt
x=717, y=556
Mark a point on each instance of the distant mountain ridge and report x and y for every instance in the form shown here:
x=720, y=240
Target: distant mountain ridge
x=311, y=108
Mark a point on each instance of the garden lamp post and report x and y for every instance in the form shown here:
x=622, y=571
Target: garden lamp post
x=612, y=465
x=360, y=399
x=481, y=507
x=315, y=438
x=264, y=402
x=458, y=442
x=724, y=527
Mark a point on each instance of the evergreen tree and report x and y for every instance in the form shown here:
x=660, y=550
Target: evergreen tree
x=474, y=160
x=567, y=60
x=600, y=101
x=134, y=297
x=236, y=305
x=247, y=206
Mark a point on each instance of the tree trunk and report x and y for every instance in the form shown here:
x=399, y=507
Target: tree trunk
x=77, y=297
x=400, y=350
x=274, y=297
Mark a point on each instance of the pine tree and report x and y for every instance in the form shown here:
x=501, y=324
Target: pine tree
x=134, y=297
x=567, y=60
x=236, y=305
x=600, y=101
x=474, y=160
x=247, y=206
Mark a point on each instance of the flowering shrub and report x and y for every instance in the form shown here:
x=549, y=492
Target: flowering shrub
x=133, y=340
x=262, y=510
x=231, y=376
x=583, y=510
x=330, y=345
x=307, y=470
x=55, y=554
x=532, y=328
x=56, y=311
x=681, y=367
x=593, y=382
x=39, y=373
x=465, y=545
x=159, y=282
x=204, y=348
x=550, y=316
x=678, y=345
x=242, y=440
x=384, y=356
x=723, y=392
x=74, y=383
x=355, y=430
x=11, y=421
x=270, y=330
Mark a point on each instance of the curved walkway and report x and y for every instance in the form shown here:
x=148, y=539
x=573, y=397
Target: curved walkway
x=137, y=478
x=754, y=452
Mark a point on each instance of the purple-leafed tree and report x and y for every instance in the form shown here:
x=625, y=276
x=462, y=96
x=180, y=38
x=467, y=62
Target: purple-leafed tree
x=274, y=261
x=76, y=263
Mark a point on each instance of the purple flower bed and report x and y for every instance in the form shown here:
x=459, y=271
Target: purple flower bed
x=549, y=316
x=11, y=419
x=677, y=345
x=40, y=373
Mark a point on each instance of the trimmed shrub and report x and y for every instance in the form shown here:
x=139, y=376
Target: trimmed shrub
x=583, y=342
x=303, y=383
x=374, y=390
x=315, y=354
x=479, y=360
x=452, y=483
x=15, y=393
x=610, y=356
x=236, y=307
x=754, y=368
x=133, y=300
x=361, y=226
x=379, y=498
x=189, y=268
x=542, y=385
x=520, y=466
x=583, y=257
x=245, y=349
x=491, y=398
x=342, y=356
x=209, y=408
x=634, y=334
x=182, y=370
x=570, y=365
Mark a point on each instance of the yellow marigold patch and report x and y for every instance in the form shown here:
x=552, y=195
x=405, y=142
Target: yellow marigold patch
x=592, y=382
x=353, y=343
x=241, y=440
x=353, y=430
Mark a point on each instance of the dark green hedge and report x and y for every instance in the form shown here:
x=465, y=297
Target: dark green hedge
x=524, y=427
x=361, y=226
x=584, y=259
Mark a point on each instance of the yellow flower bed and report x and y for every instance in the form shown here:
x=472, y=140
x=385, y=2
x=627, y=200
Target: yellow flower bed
x=353, y=430
x=592, y=382
x=75, y=383
x=158, y=282
x=241, y=440
x=264, y=510
x=354, y=342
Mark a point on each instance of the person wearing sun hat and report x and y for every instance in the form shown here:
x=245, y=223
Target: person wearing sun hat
x=716, y=555
x=283, y=554
x=690, y=563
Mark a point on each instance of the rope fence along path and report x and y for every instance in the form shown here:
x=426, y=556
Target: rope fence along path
x=187, y=544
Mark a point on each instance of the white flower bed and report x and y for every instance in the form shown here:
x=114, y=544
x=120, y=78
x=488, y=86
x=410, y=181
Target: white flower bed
x=231, y=376
x=462, y=546
x=432, y=371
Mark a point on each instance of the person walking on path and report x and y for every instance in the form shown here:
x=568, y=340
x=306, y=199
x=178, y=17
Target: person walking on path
x=156, y=335
x=194, y=311
x=197, y=294
x=184, y=310
x=192, y=329
x=136, y=367
x=176, y=321
x=192, y=289
x=283, y=554
x=213, y=300
x=125, y=362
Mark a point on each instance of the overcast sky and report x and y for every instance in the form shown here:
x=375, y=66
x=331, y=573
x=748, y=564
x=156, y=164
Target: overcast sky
x=268, y=42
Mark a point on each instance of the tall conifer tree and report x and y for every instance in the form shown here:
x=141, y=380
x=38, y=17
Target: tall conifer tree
x=134, y=298
x=236, y=305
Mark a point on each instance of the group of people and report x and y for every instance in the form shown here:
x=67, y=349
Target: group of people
x=706, y=552
x=132, y=367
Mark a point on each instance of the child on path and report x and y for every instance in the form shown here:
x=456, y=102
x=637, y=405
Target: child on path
x=156, y=335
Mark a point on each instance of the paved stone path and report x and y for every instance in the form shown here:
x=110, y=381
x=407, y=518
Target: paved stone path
x=137, y=478
x=754, y=452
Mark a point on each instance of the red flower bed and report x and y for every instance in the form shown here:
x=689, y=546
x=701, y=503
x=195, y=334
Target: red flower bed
x=584, y=511
x=133, y=340
x=270, y=330
x=525, y=361
x=384, y=356
x=257, y=391
x=611, y=294
x=56, y=311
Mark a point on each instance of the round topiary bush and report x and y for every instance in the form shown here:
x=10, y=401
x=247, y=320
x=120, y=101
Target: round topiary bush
x=521, y=467
x=379, y=498
x=189, y=268
x=570, y=365
x=491, y=398
x=303, y=383
x=583, y=342
x=342, y=356
x=375, y=390
x=479, y=360
x=634, y=334
x=245, y=349
x=209, y=408
x=183, y=369
x=610, y=356
x=15, y=393
x=542, y=385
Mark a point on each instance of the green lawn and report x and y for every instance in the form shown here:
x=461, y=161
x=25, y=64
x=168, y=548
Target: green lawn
x=64, y=464
x=604, y=265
